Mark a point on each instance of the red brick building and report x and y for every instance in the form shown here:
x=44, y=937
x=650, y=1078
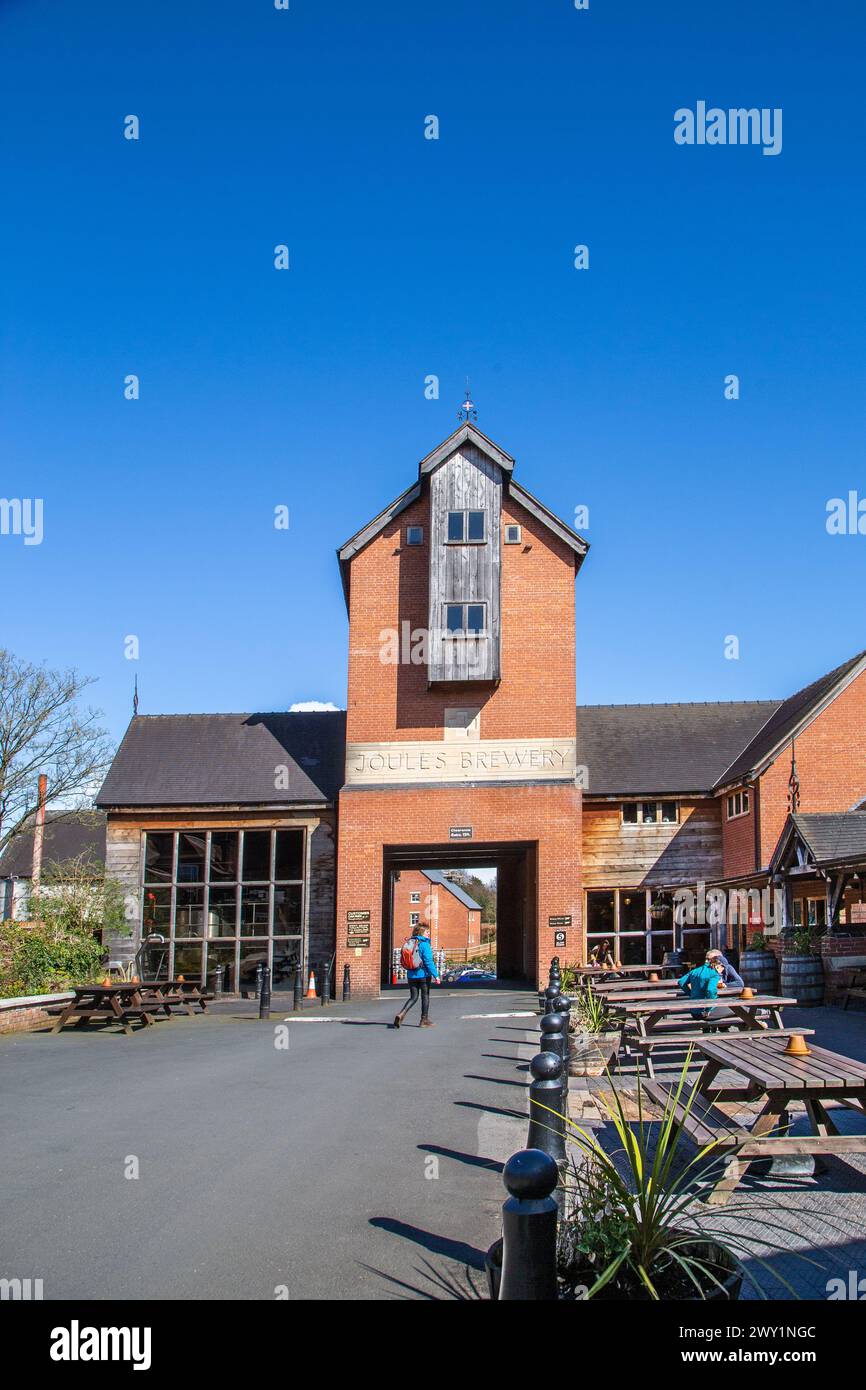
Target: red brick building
x=283, y=838
x=426, y=895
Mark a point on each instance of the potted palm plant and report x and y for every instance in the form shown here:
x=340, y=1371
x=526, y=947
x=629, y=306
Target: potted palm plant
x=595, y=1036
x=634, y=1225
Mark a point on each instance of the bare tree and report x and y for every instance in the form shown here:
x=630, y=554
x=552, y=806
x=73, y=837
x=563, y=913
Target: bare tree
x=44, y=729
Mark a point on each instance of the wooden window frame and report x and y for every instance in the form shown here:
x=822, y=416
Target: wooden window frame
x=745, y=805
x=464, y=633
x=464, y=513
x=658, y=802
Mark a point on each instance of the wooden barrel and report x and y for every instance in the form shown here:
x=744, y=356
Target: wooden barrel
x=802, y=978
x=758, y=969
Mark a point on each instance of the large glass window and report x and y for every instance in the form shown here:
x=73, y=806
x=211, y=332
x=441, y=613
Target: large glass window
x=637, y=922
x=227, y=898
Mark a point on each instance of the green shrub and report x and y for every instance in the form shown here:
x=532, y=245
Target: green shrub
x=37, y=959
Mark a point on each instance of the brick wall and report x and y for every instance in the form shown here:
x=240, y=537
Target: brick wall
x=389, y=585
x=738, y=838
x=548, y=817
x=831, y=763
x=453, y=926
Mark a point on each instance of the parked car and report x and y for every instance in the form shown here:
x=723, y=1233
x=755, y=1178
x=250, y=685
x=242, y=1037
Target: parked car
x=469, y=975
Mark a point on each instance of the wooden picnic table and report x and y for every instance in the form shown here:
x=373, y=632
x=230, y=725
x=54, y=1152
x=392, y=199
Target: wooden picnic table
x=665, y=1021
x=116, y=1003
x=178, y=994
x=769, y=1072
x=639, y=988
x=625, y=969
x=649, y=1013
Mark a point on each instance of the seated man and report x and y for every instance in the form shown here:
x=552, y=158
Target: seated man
x=729, y=978
x=703, y=983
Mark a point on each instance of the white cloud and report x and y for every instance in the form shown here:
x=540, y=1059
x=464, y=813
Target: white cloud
x=312, y=707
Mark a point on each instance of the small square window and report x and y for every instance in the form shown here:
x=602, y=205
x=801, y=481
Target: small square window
x=475, y=530
x=454, y=617
x=629, y=812
x=669, y=812
x=414, y=897
x=414, y=918
x=513, y=535
x=455, y=526
x=475, y=617
x=649, y=812
x=414, y=535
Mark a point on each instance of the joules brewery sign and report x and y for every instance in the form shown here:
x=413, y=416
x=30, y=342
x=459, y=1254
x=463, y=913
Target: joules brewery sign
x=484, y=760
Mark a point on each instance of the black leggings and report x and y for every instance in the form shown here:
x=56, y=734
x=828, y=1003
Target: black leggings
x=417, y=989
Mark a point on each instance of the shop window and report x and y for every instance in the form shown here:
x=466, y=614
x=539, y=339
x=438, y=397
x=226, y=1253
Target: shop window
x=220, y=896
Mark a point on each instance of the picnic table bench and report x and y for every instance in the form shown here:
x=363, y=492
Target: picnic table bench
x=854, y=987
x=591, y=970
x=665, y=1021
x=181, y=994
x=767, y=1071
x=118, y=1003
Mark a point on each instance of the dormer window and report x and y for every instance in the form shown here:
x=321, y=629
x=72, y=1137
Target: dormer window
x=466, y=526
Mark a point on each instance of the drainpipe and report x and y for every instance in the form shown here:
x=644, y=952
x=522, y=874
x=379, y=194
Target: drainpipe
x=39, y=831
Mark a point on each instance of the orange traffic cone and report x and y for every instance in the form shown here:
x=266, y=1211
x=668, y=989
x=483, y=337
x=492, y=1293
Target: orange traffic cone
x=311, y=987
x=394, y=980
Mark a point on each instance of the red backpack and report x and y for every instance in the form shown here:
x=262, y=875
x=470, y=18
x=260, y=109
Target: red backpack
x=410, y=954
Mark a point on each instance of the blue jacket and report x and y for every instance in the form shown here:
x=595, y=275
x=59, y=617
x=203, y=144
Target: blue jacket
x=701, y=983
x=428, y=964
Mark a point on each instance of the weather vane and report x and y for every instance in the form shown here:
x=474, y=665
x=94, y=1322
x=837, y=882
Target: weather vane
x=467, y=410
x=135, y=698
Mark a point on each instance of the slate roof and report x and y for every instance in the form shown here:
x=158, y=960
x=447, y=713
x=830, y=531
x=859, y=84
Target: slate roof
x=785, y=720
x=831, y=836
x=654, y=749
x=437, y=876
x=75, y=834
x=227, y=759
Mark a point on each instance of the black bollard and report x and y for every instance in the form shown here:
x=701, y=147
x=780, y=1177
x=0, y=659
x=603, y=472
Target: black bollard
x=546, y=1122
x=550, y=994
x=326, y=985
x=299, y=986
x=563, y=1006
x=553, y=1034
x=529, y=1228
x=265, y=993
x=347, y=984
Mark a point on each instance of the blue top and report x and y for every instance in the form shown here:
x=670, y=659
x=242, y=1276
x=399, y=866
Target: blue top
x=428, y=964
x=701, y=983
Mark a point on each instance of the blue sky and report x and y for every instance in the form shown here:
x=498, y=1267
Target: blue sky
x=412, y=257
